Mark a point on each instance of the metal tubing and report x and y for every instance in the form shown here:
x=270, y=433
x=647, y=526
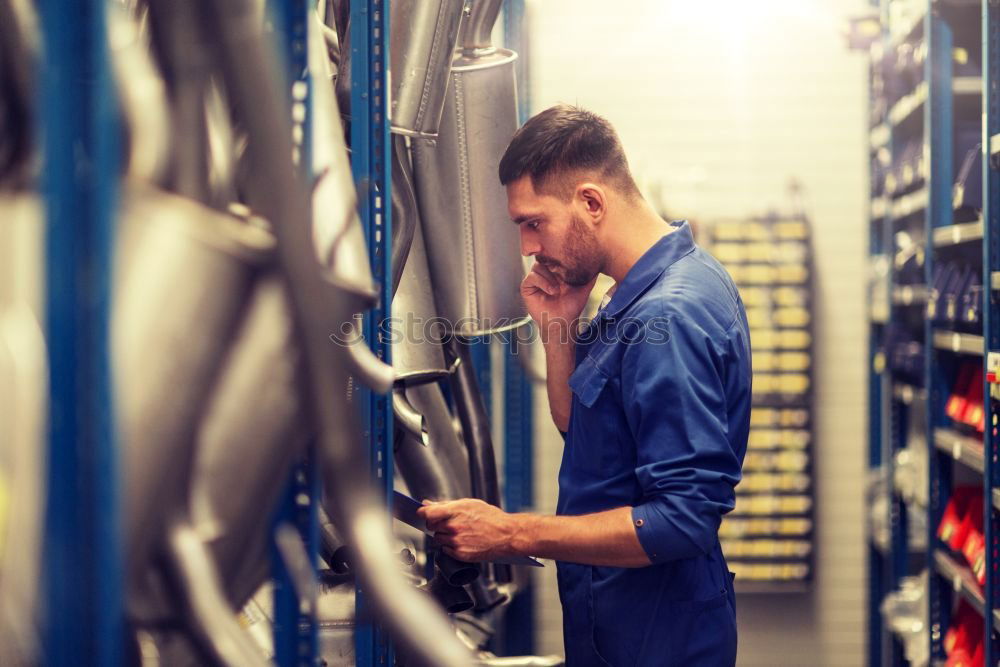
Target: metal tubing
x=475, y=425
x=456, y=572
x=453, y=599
x=184, y=61
x=208, y=616
x=443, y=434
x=16, y=103
x=475, y=37
x=407, y=418
x=404, y=208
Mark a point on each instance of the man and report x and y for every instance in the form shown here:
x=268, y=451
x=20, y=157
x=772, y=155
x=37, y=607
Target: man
x=653, y=399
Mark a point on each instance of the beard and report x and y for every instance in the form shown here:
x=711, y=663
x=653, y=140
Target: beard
x=583, y=257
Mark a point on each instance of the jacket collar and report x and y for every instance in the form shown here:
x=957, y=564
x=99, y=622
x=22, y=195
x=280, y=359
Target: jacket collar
x=648, y=268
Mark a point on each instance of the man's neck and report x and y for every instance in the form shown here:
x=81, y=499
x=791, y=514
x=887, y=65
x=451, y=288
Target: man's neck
x=644, y=228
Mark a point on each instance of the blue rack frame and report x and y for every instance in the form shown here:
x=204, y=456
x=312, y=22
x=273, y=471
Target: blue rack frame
x=991, y=324
x=370, y=161
x=296, y=639
x=82, y=561
x=947, y=101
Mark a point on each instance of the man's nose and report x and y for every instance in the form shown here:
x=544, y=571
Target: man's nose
x=529, y=244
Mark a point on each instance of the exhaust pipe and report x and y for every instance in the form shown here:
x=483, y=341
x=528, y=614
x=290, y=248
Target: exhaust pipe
x=477, y=434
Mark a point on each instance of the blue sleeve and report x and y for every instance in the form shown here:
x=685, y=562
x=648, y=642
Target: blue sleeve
x=676, y=407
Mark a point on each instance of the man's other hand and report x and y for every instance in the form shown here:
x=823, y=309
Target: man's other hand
x=471, y=530
x=552, y=303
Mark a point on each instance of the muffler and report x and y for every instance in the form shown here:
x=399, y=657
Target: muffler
x=253, y=432
x=473, y=248
x=180, y=265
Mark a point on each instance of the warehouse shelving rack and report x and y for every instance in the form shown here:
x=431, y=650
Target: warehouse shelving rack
x=82, y=617
x=371, y=155
x=912, y=413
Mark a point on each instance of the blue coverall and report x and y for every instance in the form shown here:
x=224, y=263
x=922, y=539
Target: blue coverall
x=659, y=422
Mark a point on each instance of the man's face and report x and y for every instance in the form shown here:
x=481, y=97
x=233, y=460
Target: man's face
x=555, y=232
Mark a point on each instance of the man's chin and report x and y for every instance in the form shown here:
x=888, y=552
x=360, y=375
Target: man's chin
x=577, y=280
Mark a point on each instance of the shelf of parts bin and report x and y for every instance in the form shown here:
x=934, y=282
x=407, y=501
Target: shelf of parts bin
x=995, y=280
x=909, y=204
x=996, y=499
x=908, y=295
x=962, y=582
x=995, y=147
x=911, y=103
x=966, y=450
x=960, y=343
x=963, y=232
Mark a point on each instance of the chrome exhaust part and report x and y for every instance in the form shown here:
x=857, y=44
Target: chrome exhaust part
x=169, y=249
x=473, y=248
x=252, y=433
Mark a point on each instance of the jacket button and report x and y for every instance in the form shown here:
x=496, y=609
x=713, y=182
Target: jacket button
x=638, y=523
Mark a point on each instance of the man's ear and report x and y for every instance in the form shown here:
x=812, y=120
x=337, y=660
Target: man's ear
x=593, y=200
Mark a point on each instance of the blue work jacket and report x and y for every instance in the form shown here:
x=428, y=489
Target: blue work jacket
x=659, y=422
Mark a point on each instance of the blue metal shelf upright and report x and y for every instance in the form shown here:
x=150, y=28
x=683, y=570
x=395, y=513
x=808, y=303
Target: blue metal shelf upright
x=991, y=324
x=81, y=573
x=370, y=160
x=296, y=640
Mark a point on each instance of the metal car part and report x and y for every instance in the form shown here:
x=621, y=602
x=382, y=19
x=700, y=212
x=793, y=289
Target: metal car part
x=424, y=35
x=473, y=249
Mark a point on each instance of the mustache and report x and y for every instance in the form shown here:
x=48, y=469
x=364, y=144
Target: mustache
x=546, y=261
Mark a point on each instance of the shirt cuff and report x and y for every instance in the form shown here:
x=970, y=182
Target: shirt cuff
x=659, y=537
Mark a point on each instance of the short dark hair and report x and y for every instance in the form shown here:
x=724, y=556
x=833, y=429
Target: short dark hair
x=558, y=143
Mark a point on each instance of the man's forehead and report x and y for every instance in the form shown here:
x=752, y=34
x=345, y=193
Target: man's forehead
x=523, y=200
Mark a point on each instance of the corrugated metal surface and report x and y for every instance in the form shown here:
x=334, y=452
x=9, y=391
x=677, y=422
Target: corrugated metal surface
x=721, y=106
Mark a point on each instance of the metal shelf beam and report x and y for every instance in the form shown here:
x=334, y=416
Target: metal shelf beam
x=959, y=343
x=961, y=448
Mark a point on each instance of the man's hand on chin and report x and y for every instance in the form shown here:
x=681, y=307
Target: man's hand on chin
x=471, y=530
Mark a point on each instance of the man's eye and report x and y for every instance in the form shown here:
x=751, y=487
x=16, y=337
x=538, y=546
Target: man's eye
x=533, y=224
